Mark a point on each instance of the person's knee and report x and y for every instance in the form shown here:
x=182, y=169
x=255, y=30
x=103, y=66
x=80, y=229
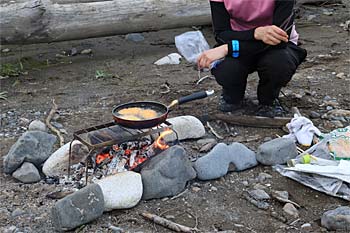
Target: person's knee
x=279, y=68
x=230, y=72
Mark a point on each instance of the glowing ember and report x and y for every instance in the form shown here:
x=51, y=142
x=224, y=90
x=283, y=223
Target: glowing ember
x=129, y=155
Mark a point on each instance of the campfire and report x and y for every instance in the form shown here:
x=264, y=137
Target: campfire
x=130, y=155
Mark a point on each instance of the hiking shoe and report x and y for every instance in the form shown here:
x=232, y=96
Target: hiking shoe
x=225, y=106
x=271, y=111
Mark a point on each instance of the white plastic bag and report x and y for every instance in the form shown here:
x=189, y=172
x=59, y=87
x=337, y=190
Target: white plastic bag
x=191, y=45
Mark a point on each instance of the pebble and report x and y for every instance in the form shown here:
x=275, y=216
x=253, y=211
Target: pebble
x=311, y=17
x=337, y=124
x=56, y=125
x=306, y=227
x=290, y=211
x=340, y=75
x=135, y=37
x=196, y=189
x=6, y=50
x=314, y=115
x=337, y=219
x=214, y=189
x=86, y=51
x=259, y=194
x=328, y=108
x=282, y=194
x=11, y=229
x=115, y=229
x=245, y=183
x=327, y=97
x=263, y=177
x=17, y=212
x=169, y=216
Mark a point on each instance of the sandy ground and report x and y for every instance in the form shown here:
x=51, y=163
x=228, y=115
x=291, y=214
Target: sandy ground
x=130, y=75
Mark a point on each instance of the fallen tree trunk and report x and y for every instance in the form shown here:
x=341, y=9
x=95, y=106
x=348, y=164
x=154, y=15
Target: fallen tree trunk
x=36, y=21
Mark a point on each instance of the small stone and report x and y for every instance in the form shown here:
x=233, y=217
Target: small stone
x=196, y=189
x=37, y=125
x=328, y=108
x=214, y=189
x=259, y=194
x=263, y=177
x=290, y=211
x=204, y=141
x=282, y=194
x=169, y=217
x=306, y=227
x=314, y=115
x=337, y=124
x=27, y=173
x=341, y=75
x=337, y=219
x=56, y=125
x=73, y=52
x=327, y=98
x=116, y=229
x=6, y=50
x=259, y=186
x=11, y=229
x=86, y=51
x=17, y=212
x=327, y=12
x=311, y=17
x=245, y=183
x=135, y=37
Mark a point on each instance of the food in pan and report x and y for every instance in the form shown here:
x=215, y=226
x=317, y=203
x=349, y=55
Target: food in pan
x=137, y=114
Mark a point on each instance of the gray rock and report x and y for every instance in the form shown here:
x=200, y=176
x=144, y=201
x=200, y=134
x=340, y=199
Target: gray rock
x=135, y=37
x=10, y=229
x=186, y=127
x=259, y=194
x=337, y=219
x=78, y=208
x=277, y=151
x=337, y=124
x=223, y=158
x=290, y=211
x=86, y=51
x=37, y=125
x=314, y=115
x=33, y=146
x=6, y=50
x=306, y=227
x=27, y=173
x=204, y=141
x=281, y=194
x=167, y=173
x=263, y=177
x=57, y=125
x=17, y=212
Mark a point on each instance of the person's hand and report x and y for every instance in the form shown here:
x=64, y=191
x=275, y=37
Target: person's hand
x=207, y=57
x=271, y=35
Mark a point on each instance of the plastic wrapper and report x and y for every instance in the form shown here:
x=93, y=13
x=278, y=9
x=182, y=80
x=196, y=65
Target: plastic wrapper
x=191, y=44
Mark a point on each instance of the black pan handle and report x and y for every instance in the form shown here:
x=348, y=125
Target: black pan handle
x=195, y=96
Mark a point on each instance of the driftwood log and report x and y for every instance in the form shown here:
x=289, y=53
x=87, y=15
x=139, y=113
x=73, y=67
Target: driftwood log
x=35, y=21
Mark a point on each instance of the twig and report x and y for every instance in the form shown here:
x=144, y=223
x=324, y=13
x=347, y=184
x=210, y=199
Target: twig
x=213, y=131
x=179, y=195
x=51, y=127
x=166, y=87
x=203, y=78
x=167, y=223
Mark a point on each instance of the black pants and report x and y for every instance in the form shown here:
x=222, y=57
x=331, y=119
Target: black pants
x=275, y=68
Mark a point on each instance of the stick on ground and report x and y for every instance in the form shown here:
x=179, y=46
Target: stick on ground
x=167, y=223
x=51, y=127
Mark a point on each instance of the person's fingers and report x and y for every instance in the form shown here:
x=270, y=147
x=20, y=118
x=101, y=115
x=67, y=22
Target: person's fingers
x=273, y=41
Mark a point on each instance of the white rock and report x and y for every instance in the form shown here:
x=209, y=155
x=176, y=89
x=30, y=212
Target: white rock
x=290, y=211
x=172, y=59
x=37, y=125
x=57, y=163
x=187, y=127
x=122, y=190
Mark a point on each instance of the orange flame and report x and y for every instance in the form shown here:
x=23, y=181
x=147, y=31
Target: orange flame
x=160, y=142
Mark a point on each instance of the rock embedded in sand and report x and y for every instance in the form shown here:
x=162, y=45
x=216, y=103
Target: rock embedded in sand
x=167, y=173
x=290, y=211
x=186, y=127
x=337, y=219
x=277, y=151
x=27, y=173
x=37, y=125
x=78, y=208
x=33, y=146
x=57, y=163
x=122, y=190
x=223, y=158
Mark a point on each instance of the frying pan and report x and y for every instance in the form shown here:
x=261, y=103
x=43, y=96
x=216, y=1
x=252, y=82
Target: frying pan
x=161, y=109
